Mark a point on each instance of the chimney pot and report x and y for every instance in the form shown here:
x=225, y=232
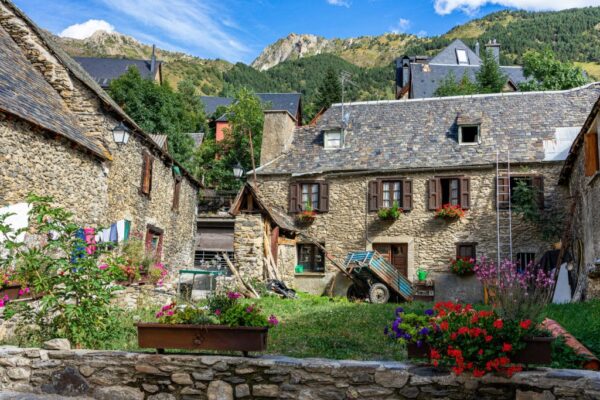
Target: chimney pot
x=153, y=60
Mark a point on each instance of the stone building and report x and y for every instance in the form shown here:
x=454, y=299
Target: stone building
x=422, y=153
x=581, y=174
x=56, y=139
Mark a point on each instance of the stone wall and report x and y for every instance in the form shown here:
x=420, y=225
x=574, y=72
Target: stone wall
x=33, y=163
x=108, y=375
x=68, y=175
x=278, y=132
x=431, y=242
x=248, y=245
x=585, y=191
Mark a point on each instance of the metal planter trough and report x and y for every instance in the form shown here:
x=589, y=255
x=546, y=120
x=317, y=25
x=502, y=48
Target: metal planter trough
x=202, y=337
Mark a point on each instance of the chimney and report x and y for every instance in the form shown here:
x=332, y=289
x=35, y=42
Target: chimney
x=153, y=60
x=402, y=73
x=494, y=47
x=278, y=133
x=477, y=48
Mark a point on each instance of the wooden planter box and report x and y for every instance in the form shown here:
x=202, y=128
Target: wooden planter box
x=538, y=350
x=205, y=337
x=417, y=352
x=12, y=291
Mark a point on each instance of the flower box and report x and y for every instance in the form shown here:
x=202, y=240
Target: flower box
x=415, y=351
x=538, y=350
x=306, y=217
x=205, y=337
x=449, y=212
x=13, y=292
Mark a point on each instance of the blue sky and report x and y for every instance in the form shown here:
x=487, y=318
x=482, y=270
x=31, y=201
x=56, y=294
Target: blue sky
x=237, y=30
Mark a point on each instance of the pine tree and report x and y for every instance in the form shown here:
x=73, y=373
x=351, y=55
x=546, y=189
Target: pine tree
x=450, y=87
x=330, y=90
x=490, y=78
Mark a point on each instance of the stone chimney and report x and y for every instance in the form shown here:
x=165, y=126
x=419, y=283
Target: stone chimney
x=153, y=60
x=494, y=47
x=278, y=133
x=477, y=48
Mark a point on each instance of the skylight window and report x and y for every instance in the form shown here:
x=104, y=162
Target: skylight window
x=461, y=56
x=332, y=140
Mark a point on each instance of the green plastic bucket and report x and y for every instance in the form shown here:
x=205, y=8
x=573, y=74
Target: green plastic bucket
x=299, y=269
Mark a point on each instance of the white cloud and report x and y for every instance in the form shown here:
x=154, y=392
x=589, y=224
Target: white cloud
x=86, y=29
x=341, y=3
x=400, y=27
x=422, y=33
x=198, y=23
x=444, y=7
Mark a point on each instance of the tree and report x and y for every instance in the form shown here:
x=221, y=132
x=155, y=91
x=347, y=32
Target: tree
x=546, y=72
x=158, y=109
x=329, y=91
x=490, y=78
x=215, y=160
x=450, y=87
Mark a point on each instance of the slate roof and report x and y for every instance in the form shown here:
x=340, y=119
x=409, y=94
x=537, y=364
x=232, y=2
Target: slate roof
x=104, y=70
x=289, y=102
x=448, y=55
x=78, y=72
x=422, y=133
x=24, y=92
x=426, y=78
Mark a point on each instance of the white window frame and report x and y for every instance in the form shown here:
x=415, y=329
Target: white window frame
x=326, y=141
x=477, y=142
x=462, y=52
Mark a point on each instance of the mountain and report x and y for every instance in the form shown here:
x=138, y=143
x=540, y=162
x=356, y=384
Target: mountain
x=572, y=34
x=207, y=75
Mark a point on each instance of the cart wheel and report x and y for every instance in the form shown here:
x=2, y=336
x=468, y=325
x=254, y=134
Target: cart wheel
x=354, y=293
x=379, y=293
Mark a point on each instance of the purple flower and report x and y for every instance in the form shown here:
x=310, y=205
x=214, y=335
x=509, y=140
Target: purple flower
x=217, y=312
x=386, y=330
x=396, y=323
x=233, y=295
x=429, y=312
x=399, y=310
x=424, y=331
x=419, y=343
x=273, y=320
x=103, y=266
x=249, y=309
x=407, y=336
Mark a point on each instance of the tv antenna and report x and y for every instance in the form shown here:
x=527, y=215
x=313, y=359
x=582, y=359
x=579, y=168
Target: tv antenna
x=345, y=78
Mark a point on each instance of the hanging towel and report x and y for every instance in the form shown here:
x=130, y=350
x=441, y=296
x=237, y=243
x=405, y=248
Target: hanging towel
x=127, y=230
x=106, y=235
x=121, y=230
x=113, y=235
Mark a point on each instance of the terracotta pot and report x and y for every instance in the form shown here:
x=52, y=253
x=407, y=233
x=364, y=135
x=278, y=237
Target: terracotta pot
x=538, y=350
x=415, y=351
x=207, y=337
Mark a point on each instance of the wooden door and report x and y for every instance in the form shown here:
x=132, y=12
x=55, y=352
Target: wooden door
x=396, y=254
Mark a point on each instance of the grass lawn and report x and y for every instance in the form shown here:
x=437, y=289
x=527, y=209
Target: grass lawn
x=582, y=320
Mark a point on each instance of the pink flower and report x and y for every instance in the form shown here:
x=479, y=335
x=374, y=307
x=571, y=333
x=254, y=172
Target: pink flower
x=249, y=309
x=103, y=266
x=217, y=312
x=159, y=314
x=1, y=303
x=170, y=312
x=27, y=290
x=273, y=320
x=233, y=295
x=5, y=298
x=21, y=292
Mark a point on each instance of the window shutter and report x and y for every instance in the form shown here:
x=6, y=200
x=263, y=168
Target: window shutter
x=293, y=198
x=323, y=196
x=538, y=185
x=435, y=194
x=373, y=196
x=591, y=153
x=465, y=193
x=503, y=191
x=407, y=198
x=176, y=193
x=147, y=173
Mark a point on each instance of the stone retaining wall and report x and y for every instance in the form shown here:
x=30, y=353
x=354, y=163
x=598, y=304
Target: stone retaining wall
x=120, y=375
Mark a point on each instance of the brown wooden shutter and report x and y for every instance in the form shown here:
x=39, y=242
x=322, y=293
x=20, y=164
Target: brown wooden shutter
x=324, y=196
x=147, y=173
x=435, y=194
x=503, y=191
x=407, y=195
x=465, y=193
x=176, y=193
x=374, y=196
x=538, y=185
x=591, y=154
x=293, y=198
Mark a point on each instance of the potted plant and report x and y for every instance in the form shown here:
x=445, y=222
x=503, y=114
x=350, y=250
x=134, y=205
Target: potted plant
x=462, y=266
x=449, y=212
x=222, y=324
x=413, y=330
x=390, y=213
x=306, y=216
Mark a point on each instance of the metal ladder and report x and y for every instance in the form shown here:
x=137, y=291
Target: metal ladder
x=503, y=210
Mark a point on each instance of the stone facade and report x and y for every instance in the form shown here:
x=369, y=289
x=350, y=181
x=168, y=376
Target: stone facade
x=348, y=226
x=276, y=135
x=248, y=245
x=99, y=192
x=119, y=375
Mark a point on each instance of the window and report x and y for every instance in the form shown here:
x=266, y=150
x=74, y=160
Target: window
x=314, y=194
x=462, y=57
x=147, y=163
x=176, y=193
x=466, y=250
x=524, y=259
x=383, y=193
x=506, y=189
x=455, y=191
x=332, y=140
x=590, y=144
x=154, y=241
x=468, y=134
x=311, y=258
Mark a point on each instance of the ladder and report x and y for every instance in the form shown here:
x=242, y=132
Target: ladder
x=503, y=210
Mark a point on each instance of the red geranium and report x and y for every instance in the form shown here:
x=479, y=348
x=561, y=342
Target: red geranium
x=525, y=324
x=506, y=347
x=498, y=324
